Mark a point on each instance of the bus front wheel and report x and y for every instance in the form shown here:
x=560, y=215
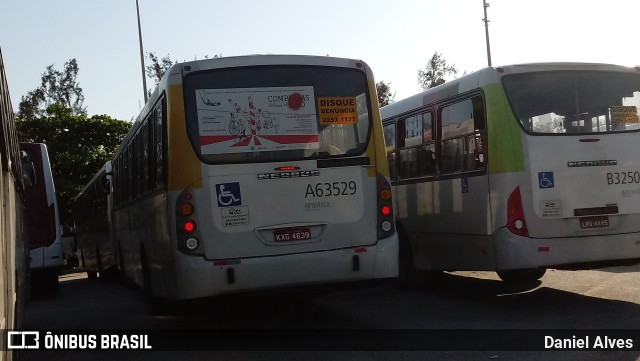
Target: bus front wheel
x=522, y=275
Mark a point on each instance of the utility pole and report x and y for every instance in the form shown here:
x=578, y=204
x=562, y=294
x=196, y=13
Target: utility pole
x=486, y=30
x=144, y=78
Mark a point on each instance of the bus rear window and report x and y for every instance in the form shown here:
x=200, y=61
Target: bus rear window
x=575, y=102
x=276, y=113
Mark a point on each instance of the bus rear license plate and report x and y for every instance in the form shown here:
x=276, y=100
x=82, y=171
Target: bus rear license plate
x=594, y=222
x=292, y=234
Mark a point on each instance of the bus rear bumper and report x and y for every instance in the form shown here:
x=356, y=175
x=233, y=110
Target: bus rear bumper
x=199, y=278
x=515, y=252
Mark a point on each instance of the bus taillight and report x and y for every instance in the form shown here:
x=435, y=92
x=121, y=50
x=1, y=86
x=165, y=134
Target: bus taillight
x=189, y=226
x=385, y=214
x=515, y=214
x=186, y=209
x=385, y=194
x=188, y=235
x=192, y=243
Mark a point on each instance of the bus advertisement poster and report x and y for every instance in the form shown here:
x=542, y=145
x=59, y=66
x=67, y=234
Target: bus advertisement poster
x=256, y=119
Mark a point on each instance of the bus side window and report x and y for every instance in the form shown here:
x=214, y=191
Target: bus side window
x=427, y=152
x=409, y=133
x=416, y=146
x=462, y=129
x=151, y=169
x=158, y=142
x=144, y=161
x=478, y=153
x=390, y=143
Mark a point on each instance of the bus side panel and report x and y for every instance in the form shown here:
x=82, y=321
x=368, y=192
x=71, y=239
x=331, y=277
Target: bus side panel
x=143, y=226
x=129, y=255
x=155, y=233
x=440, y=241
x=506, y=152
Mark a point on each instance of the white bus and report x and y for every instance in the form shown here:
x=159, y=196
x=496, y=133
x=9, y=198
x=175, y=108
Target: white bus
x=518, y=168
x=92, y=225
x=43, y=222
x=255, y=172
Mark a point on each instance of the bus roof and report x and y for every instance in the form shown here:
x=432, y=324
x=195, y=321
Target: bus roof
x=106, y=168
x=235, y=61
x=486, y=76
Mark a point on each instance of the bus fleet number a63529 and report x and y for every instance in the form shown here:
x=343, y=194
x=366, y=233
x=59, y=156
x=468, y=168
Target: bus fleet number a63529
x=333, y=189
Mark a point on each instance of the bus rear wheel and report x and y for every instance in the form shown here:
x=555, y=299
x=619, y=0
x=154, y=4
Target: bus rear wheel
x=409, y=277
x=156, y=306
x=522, y=275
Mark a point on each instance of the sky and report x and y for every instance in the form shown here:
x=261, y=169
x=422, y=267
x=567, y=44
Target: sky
x=395, y=37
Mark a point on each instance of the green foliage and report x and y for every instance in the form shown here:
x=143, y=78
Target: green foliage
x=384, y=93
x=435, y=72
x=57, y=87
x=159, y=66
x=78, y=146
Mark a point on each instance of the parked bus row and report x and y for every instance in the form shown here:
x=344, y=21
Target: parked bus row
x=260, y=172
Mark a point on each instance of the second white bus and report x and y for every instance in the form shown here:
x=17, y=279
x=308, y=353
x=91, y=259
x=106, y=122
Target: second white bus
x=518, y=168
x=43, y=222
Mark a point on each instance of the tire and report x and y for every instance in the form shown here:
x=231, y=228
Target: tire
x=408, y=277
x=44, y=283
x=156, y=306
x=52, y=284
x=522, y=275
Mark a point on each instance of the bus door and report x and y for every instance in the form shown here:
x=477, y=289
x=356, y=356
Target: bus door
x=461, y=211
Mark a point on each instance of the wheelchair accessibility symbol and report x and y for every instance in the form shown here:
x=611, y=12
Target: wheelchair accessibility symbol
x=545, y=180
x=228, y=194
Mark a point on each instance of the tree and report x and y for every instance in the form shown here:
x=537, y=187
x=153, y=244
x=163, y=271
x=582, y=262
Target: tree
x=78, y=146
x=435, y=72
x=57, y=87
x=384, y=93
x=159, y=66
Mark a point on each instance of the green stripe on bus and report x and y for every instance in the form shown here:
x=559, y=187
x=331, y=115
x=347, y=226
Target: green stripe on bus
x=505, y=139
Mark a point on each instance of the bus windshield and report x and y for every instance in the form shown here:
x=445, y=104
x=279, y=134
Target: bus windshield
x=277, y=113
x=575, y=102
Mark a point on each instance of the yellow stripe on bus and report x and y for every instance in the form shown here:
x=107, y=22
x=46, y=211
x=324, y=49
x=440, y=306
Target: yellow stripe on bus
x=184, y=165
x=376, y=150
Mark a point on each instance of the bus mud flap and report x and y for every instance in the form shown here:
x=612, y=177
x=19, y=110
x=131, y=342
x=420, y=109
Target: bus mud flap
x=231, y=276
